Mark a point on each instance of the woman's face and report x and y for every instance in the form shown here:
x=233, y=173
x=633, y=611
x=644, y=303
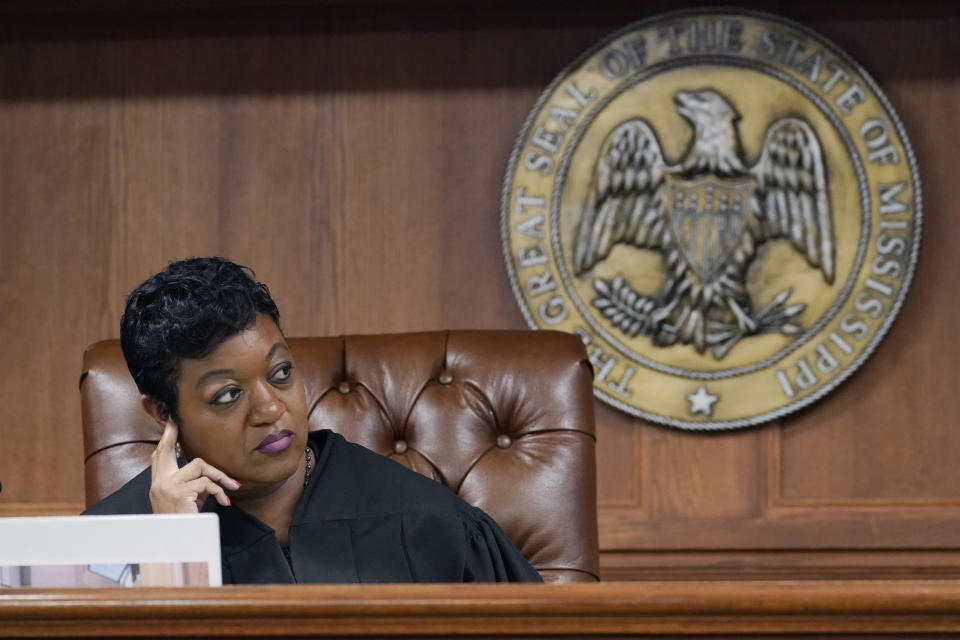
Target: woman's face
x=243, y=408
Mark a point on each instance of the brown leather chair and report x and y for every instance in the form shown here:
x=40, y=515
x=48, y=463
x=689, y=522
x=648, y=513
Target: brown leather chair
x=503, y=418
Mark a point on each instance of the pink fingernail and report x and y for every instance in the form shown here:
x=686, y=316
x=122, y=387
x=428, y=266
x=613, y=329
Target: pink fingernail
x=228, y=500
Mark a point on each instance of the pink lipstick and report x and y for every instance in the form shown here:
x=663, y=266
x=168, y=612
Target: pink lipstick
x=276, y=442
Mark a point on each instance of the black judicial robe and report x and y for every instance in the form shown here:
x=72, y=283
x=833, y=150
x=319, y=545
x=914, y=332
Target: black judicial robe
x=362, y=518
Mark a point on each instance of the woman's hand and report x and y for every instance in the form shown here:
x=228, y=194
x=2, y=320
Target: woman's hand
x=176, y=490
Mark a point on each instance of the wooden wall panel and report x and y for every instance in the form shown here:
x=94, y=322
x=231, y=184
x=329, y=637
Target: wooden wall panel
x=353, y=154
x=691, y=476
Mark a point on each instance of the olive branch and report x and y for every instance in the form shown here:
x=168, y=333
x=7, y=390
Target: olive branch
x=628, y=310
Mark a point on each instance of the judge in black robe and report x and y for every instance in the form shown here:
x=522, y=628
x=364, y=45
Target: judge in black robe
x=361, y=518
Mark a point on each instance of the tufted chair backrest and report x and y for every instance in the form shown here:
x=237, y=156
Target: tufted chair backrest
x=503, y=418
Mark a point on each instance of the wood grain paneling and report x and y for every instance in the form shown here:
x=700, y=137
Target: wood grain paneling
x=353, y=155
x=688, y=475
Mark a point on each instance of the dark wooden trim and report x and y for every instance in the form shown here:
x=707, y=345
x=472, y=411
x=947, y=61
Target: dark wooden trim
x=781, y=564
x=846, y=528
x=581, y=610
x=25, y=509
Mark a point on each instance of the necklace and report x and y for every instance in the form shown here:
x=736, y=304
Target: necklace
x=309, y=468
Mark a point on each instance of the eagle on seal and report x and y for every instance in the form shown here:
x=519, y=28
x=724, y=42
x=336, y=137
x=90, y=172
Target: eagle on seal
x=707, y=215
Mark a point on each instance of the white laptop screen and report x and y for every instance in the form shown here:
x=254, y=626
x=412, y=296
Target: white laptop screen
x=110, y=551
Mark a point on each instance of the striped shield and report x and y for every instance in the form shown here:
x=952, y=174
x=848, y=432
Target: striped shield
x=707, y=216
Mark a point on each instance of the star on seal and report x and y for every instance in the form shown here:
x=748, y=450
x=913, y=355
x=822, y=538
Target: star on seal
x=702, y=401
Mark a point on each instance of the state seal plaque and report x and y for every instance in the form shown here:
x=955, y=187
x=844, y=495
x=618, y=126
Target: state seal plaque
x=723, y=206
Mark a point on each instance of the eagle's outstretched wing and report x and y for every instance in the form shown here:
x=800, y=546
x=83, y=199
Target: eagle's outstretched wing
x=625, y=203
x=791, y=200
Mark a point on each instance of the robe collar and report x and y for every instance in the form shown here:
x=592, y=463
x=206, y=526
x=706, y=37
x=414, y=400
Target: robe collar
x=321, y=551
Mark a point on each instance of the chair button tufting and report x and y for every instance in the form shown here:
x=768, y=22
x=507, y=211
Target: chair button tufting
x=445, y=378
x=344, y=387
x=400, y=446
x=504, y=441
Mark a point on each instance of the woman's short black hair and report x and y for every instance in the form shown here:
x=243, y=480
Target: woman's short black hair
x=186, y=311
